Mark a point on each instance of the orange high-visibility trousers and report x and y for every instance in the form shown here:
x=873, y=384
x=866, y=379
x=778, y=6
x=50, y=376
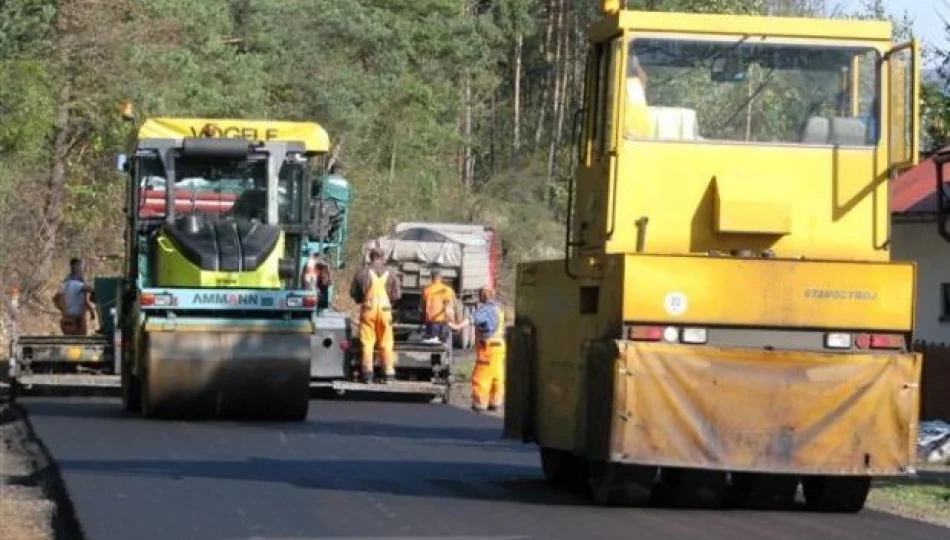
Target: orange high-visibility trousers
x=488, y=375
x=376, y=330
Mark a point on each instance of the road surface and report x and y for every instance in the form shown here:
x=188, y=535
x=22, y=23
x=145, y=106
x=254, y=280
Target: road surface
x=361, y=470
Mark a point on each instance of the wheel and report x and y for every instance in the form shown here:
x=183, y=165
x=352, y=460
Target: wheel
x=615, y=484
x=298, y=413
x=464, y=339
x=756, y=491
x=688, y=488
x=562, y=469
x=841, y=494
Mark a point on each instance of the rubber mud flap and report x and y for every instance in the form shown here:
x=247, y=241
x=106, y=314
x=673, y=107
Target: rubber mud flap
x=241, y=375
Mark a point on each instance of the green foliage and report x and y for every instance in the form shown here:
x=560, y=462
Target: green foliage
x=26, y=105
x=25, y=27
x=409, y=90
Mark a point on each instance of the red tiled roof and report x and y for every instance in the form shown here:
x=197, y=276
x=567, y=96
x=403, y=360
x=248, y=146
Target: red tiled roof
x=914, y=191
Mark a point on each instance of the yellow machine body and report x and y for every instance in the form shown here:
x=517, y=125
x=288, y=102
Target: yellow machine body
x=769, y=244
x=175, y=270
x=202, y=351
x=718, y=406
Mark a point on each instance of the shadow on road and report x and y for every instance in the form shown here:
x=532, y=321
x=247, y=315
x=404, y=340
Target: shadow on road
x=429, y=479
x=433, y=426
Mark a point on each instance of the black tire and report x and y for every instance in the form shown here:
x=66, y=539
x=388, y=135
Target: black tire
x=839, y=494
x=296, y=414
x=761, y=491
x=615, y=484
x=464, y=339
x=690, y=488
x=562, y=469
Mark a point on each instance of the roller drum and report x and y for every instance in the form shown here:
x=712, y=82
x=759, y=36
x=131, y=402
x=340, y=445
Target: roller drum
x=248, y=375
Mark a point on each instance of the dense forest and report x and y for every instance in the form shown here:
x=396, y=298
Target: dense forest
x=438, y=109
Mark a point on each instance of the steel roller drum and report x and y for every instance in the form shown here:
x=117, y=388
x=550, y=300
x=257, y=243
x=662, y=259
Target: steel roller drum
x=227, y=374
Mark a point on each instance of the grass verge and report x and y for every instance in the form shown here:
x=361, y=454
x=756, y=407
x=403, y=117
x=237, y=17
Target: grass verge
x=926, y=497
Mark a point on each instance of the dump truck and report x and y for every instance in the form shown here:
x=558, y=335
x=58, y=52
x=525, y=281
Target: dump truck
x=467, y=255
x=211, y=316
x=726, y=323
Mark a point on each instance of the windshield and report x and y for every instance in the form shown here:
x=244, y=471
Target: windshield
x=751, y=90
x=219, y=190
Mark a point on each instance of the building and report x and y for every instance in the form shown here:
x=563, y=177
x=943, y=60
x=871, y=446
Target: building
x=915, y=236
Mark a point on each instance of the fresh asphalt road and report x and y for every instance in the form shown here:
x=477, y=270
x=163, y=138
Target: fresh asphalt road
x=358, y=469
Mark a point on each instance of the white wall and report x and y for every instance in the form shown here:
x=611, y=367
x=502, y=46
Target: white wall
x=920, y=242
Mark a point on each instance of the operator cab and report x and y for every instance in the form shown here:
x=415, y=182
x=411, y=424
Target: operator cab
x=225, y=205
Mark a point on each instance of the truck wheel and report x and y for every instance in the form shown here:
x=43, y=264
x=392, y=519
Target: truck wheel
x=466, y=333
x=758, y=491
x=842, y=494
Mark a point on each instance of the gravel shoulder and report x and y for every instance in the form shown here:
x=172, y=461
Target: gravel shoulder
x=29, y=484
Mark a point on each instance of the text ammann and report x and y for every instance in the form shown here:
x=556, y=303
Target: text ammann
x=227, y=298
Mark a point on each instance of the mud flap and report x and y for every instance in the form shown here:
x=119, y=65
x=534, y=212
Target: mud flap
x=520, y=391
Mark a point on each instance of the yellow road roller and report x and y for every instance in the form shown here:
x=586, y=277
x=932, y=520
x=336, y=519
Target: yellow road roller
x=214, y=317
x=726, y=327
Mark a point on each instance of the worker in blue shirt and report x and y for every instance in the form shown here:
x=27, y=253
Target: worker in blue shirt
x=488, y=375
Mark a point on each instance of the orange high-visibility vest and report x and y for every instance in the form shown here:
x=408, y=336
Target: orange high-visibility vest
x=377, y=296
x=436, y=298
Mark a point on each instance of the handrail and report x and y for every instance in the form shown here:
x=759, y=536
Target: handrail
x=568, y=229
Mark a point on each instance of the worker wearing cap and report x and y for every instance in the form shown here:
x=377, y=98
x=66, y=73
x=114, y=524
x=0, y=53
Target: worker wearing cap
x=488, y=375
x=438, y=300
x=375, y=288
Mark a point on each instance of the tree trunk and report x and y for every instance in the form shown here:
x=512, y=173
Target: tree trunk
x=556, y=108
x=519, y=42
x=546, y=54
x=467, y=130
x=465, y=118
x=56, y=177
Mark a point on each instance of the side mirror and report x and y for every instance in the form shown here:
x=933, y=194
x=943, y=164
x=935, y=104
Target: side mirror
x=122, y=163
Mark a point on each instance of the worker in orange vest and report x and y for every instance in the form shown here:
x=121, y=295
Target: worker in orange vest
x=438, y=301
x=375, y=288
x=488, y=375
